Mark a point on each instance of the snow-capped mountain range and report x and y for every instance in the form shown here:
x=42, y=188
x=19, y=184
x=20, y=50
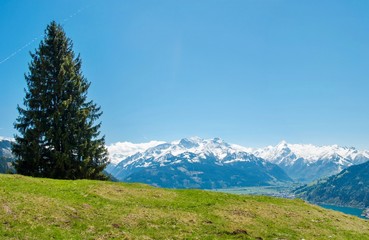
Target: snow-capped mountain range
x=209, y=163
x=119, y=151
x=302, y=162
x=159, y=149
x=310, y=153
x=197, y=163
x=307, y=162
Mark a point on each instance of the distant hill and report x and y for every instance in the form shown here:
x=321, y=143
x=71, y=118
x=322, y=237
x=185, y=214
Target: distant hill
x=6, y=157
x=197, y=163
x=6, y=165
x=5, y=148
x=348, y=188
x=39, y=208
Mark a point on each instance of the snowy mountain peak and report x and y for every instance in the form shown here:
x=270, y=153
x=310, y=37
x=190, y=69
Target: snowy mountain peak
x=188, y=143
x=282, y=144
x=193, y=146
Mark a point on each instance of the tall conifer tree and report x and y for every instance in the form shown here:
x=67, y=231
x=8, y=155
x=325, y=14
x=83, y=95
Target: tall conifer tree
x=58, y=134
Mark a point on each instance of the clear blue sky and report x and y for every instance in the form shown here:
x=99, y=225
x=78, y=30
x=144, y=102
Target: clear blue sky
x=252, y=72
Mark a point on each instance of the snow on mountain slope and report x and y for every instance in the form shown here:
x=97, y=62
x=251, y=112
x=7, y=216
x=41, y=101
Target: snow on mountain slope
x=302, y=162
x=310, y=153
x=200, y=147
x=307, y=162
x=121, y=150
x=6, y=139
x=197, y=163
x=6, y=156
x=5, y=147
x=195, y=145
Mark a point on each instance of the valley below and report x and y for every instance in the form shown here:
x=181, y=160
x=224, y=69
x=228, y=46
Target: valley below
x=288, y=191
x=281, y=190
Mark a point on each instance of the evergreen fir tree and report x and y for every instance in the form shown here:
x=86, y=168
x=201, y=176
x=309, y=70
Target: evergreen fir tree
x=58, y=135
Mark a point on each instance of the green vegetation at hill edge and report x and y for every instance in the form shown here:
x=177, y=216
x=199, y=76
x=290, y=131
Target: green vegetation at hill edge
x=36, y=208
x=349, y=188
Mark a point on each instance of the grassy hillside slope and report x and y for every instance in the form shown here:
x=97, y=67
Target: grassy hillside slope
x=33, y=208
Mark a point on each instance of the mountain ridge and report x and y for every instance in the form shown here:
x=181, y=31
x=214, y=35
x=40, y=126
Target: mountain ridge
x=307, y=162
x=302, y=162
x=197, y=163
x=348, y=188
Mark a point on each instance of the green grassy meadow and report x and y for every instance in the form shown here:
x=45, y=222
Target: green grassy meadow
x=36, y=208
